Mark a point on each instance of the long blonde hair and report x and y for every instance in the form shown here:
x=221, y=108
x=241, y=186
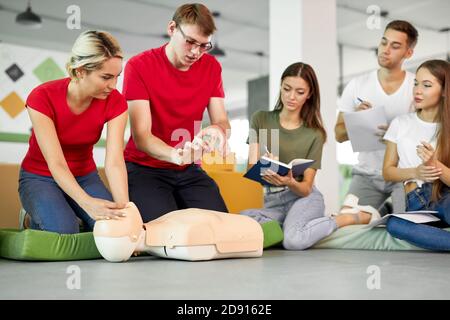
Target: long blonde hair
x=90, y=50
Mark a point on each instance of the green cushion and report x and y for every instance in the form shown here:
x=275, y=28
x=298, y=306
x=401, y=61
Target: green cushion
x=359, y=237
x=273, y=234
x=35, y=245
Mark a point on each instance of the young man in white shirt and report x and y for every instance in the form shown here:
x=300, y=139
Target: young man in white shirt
x=389, y=87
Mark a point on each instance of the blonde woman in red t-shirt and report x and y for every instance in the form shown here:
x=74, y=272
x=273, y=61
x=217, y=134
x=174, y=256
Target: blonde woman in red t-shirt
x=59, y=184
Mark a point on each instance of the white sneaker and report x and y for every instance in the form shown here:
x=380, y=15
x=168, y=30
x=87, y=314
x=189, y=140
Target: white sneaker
x=22, y=215
x=374, y=214
x=351, y=202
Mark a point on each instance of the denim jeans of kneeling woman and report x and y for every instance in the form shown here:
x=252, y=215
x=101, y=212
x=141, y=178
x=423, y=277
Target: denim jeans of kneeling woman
x=51, y=209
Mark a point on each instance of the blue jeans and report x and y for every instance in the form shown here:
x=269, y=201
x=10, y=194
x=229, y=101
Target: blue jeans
x=51, y=209
x=422, y=235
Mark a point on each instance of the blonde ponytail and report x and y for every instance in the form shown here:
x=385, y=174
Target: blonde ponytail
x=90, y=50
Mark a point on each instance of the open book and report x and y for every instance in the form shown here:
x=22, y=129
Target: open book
x=422, y=216
x=298, y=166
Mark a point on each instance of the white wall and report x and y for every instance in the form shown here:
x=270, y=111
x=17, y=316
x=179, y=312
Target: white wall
x=302, y=30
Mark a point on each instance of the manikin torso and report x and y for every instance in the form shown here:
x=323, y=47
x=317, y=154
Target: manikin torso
x=189, y=234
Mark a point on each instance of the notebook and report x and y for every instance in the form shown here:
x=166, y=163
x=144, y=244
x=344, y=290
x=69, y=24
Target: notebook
x=298, y=166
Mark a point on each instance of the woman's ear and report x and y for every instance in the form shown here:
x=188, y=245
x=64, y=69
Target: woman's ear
x=80, y=73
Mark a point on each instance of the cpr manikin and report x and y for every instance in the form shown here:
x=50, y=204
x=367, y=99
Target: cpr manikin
x=189, y=234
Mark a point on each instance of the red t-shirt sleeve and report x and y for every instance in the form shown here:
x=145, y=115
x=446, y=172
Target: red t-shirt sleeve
x=218, y=87
x=39, y=100
x=133, y=85
x=116, y=106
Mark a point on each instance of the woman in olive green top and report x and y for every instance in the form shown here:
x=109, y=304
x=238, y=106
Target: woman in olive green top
x=293, y=130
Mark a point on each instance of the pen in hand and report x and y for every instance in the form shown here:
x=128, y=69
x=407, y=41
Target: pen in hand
x=269, y=155
x=364, y=105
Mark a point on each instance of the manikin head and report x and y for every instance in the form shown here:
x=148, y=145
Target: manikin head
x=118, y=239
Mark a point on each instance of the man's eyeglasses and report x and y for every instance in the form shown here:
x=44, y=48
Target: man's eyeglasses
x=191, y=43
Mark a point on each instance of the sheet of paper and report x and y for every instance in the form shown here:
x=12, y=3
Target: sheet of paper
x=362, y=127
x=413, y=216
x=417, y=217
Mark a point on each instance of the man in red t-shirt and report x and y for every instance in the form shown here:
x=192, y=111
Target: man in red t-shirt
x=168, y=90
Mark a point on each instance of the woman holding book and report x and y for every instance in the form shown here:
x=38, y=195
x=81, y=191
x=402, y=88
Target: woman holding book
x=294, y=130
x=418, y=154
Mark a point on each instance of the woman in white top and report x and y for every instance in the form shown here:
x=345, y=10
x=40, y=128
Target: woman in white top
x=418, y=154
